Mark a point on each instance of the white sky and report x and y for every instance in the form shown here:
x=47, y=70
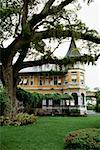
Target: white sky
x=91, y=16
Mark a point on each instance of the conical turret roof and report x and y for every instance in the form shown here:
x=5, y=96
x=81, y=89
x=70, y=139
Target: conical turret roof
x=73, y=51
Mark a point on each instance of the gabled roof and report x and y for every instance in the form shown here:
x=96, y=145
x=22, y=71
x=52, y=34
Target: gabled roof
x=73, y=51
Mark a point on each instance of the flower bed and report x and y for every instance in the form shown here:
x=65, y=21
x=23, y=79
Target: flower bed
x=20, y=119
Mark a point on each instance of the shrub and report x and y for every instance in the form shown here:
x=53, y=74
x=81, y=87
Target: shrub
x=87, y=139
x=91, y=107
x=98, y=108
x=25, y=118
x=74, y=112
x=23, y=95
x=20, y=119
x=27, y=99
x=4, y=120
x=98, y=101
x=4, y=102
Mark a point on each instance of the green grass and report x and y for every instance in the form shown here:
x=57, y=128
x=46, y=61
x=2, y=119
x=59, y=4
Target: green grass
x=47, y=134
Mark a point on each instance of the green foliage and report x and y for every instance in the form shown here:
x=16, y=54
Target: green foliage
x=4, y=13
x=4, y=120
x=27, y=99
x=23, y=95
x=25, y=118
x=3, y=95
x=83, y=139
x=4, y=102
x=74, y=112
x=98, y=95
x=20, y=19
x=26, y=96
x=91, y=107
x=38, y=97
x=9, y=13
x=47, y=134
x=66, y=97
x=98, y=101
x=54, y=96
x=97, y=108
x=26, y=31
x=20, y=119
x=57, y=96
x=30, y=100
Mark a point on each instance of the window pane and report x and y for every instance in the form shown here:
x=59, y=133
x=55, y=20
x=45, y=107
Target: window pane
x=55, y=80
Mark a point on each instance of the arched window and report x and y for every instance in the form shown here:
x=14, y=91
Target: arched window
x=75, y=96
x=82, y=96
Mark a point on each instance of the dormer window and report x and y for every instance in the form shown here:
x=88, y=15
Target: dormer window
x=31, y=82
x=65, y=82
x=74, y=78
x=82, y=78
x=59, y=80
x=25, y=81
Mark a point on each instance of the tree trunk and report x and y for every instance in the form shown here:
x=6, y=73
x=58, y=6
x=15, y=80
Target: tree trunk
x=10, y=87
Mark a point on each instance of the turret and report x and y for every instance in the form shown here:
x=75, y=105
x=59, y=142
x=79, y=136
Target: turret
x=75, y=74
x=75, y=77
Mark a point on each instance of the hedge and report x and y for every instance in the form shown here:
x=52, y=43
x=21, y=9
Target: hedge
x=83, y=139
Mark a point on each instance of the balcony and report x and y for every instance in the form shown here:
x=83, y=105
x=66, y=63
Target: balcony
x=75, y=85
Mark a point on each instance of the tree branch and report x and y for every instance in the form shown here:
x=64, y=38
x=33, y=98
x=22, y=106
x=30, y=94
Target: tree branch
x=56, y=33
x=25, y=12
x=47, y=11
x=20, y=59
x=97, y=57
x=38, y=63
x=65, y=61
x=47, y=7
x=17, y=25
x=17, y=44
x=58, y=8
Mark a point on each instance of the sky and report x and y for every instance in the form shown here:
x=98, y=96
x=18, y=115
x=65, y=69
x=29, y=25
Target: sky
x=91, y=16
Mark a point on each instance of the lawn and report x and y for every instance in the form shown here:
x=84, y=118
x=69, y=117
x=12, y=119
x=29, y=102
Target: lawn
x=47, y=134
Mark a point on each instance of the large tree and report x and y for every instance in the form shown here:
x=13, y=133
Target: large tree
x=28, y=23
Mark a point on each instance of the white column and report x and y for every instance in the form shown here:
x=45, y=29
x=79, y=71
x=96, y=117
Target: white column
x=85, y=100
x=62, y=103
x=79, y=99
x=44, y=103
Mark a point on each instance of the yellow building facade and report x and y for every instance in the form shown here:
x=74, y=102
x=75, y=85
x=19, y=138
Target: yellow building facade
x=51, y=79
